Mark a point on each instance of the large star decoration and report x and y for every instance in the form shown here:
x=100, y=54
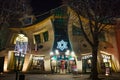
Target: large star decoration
x=62, y=45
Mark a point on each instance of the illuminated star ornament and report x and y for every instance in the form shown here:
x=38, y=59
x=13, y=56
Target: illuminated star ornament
x=62, y=45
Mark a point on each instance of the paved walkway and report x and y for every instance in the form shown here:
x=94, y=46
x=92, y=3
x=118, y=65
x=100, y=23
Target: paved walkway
x=115, y=76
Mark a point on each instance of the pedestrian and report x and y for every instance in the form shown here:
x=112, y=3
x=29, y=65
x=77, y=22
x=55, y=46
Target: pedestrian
x=62, y=65
x=74, y=69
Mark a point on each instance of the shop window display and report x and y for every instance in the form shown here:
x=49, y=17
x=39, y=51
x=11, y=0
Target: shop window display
x=37, y=63
x=86, y=63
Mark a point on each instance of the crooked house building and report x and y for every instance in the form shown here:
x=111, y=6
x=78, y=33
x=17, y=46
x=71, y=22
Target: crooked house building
x=55, y=44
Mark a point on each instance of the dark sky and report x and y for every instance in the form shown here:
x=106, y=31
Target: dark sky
x=41, y=6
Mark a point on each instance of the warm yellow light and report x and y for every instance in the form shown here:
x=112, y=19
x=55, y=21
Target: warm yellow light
x=57, y=52
x=21, y=38
x=21, y=35
x=5, y=64
x=67, y=52
x=73, y=53
x=51, y=53
x=107, y=74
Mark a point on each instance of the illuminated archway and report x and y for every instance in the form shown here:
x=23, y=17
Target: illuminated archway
x=21, y=44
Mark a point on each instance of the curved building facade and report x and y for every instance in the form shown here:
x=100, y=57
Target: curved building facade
x=56, y=44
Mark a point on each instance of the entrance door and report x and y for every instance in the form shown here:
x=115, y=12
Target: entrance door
x=37, y=63
x=62, y=66
x=86, y=65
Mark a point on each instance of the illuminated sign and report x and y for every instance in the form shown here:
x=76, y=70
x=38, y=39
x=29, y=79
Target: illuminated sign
x=62, y=45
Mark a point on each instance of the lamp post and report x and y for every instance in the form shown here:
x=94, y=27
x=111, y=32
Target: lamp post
x=20, y=48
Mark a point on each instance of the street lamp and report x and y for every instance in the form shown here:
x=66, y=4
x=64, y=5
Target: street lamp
x=67, y=53
x=20, y=48
x=73, y=54
x=57, y=52
x=51, y=53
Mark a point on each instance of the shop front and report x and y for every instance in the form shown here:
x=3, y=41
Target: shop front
x=15, y=61
x=104, y=62
x=36, y=64
x=62, y=63
x=86, y=63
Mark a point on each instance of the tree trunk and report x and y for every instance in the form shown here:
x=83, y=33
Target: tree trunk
x=94, y=71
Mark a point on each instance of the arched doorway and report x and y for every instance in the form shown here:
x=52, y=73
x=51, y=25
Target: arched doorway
x=16, y=57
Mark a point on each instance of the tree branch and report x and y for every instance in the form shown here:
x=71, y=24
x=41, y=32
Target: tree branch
x=81, y=25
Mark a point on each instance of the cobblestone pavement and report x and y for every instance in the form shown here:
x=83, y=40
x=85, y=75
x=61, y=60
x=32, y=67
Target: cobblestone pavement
x=115, y=76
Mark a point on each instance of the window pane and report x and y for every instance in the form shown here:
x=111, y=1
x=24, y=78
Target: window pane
x=45, y=34
x=37, y=38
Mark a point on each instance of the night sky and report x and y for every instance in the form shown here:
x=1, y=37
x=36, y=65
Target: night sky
x=42, y=6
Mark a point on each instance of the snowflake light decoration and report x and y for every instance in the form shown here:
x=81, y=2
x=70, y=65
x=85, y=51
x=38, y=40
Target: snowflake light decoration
x=62, y=45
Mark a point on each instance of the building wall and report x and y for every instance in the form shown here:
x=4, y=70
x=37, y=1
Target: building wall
x=117, y=37
x=79, y=45
x=78, y=41
x=30, y=31
x=107, y=46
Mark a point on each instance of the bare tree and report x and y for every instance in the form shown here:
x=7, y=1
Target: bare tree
x=11, y=11
x=99, y=14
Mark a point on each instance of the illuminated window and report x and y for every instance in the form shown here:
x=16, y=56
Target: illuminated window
x=37, y=63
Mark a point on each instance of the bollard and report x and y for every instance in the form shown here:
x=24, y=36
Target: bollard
x=21, y=77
